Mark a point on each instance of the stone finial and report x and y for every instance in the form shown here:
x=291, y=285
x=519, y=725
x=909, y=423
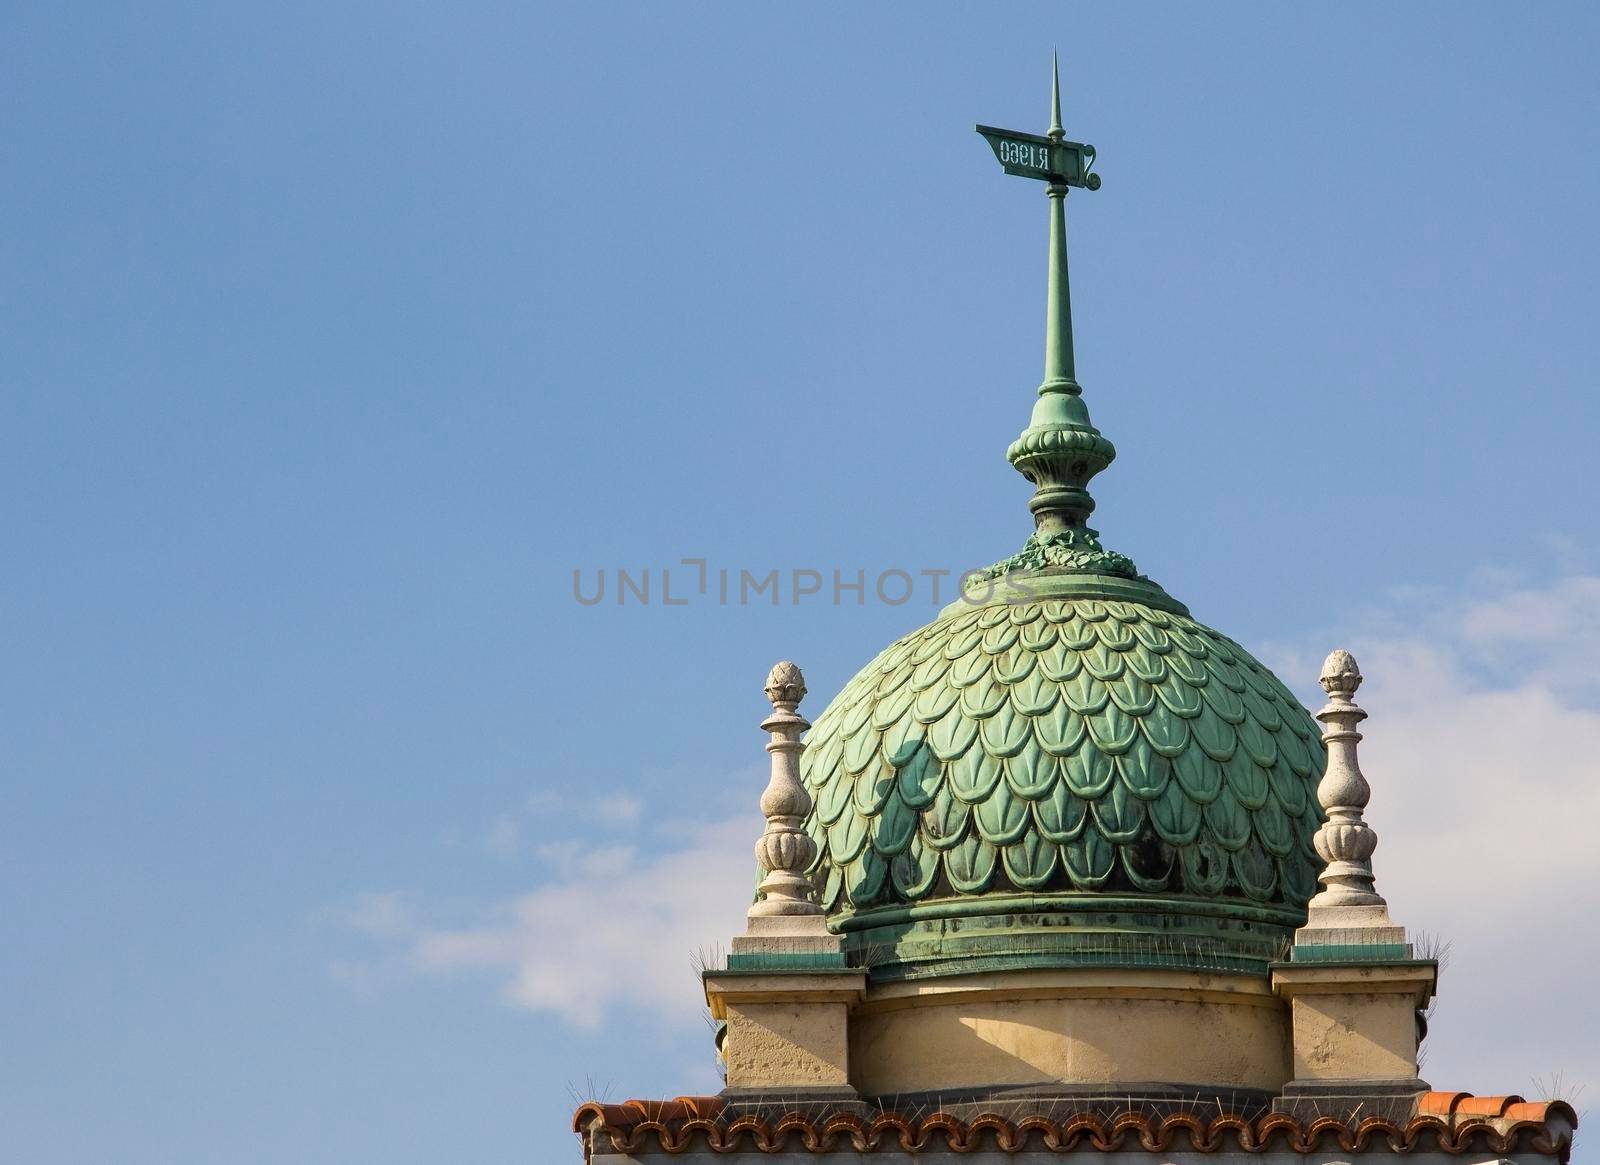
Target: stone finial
x=1345, y=841
x=1340, y=674
x=785, y=685
x=785, y=850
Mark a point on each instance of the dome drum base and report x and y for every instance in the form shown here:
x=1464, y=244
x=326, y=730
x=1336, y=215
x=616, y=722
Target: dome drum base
x=1006, y=932
x=1082, y=1028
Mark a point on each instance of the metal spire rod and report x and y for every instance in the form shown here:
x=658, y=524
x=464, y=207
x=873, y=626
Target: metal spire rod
x=1056, y=132
x=1060, y=373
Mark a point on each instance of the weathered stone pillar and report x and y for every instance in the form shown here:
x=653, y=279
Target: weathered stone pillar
x=786, y=993
x=1354, y=987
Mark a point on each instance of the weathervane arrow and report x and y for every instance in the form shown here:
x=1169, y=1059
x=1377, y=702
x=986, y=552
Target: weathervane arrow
x=1050, y=158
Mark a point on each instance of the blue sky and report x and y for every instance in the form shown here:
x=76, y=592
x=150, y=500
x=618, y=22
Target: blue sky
x=334, y=338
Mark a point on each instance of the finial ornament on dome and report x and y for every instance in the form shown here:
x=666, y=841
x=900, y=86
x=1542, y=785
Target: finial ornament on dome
x=1345, y=841
x=1060, y=450
x=785, y=850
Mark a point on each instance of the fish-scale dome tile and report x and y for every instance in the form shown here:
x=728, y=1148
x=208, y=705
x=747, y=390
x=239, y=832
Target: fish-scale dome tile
x=1246, y=780
x=1147, y=666
x=899, y=741
x=1132, y=694
x=1119, y=815
x=1038, y=636
x=1181, y=697
x=1089, y=860
x=919, y=779
x=1088, y=773
x=970, y=865
x=1177, y=819
x=1031, y=861
x=1031, y=773
x=1002, y=817
x=1189, y=668
x=1063, y=745
x=1015, y=664
x=952, y=735
x=1059, y=815
x=873, y=786
x=944, y=823
x=1083, y=693
x=974, y=775
x=999, y=638
x=1035, y=694
x=1006, y=733
x=984, y=698
x=1144, y=771
x=914, y=871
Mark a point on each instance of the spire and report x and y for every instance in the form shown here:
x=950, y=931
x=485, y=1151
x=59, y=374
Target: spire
x=1056, y=132
x=1060, y=450
x=1058, y=363
x=1346, y=841
x=785, y=850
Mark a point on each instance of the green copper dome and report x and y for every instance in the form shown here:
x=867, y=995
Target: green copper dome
x=1065, y=779
x=1065, y=768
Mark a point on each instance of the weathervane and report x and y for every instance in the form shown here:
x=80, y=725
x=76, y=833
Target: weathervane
x=1060, y=163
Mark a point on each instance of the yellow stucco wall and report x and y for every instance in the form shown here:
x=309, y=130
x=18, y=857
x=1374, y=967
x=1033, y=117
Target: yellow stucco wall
x=1091, y=1026
x=786, y=1045
x=1340, y=1037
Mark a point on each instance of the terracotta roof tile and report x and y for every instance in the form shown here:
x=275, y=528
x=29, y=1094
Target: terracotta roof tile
x=1440, y=1103
x=1540, y=1112
x=674, y=1111
x=1450, y=1122
x=1491, y=1106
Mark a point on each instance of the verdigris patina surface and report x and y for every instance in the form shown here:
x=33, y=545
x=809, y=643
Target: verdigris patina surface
x=1060, y=751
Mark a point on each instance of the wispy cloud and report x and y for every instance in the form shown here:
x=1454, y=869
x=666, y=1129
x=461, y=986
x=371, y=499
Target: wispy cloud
x=608, y=927
x=507, y=835
x=1549, y=636
x=383, y=915
x=503, y=838
x=618, y=809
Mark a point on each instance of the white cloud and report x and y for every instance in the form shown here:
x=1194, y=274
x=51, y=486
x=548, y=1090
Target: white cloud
x=610, y=928
x=578, y=861
x=1550, y=636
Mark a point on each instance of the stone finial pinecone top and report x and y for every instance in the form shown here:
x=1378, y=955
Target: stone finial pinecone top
x=785, y=684
x=1340, y=675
